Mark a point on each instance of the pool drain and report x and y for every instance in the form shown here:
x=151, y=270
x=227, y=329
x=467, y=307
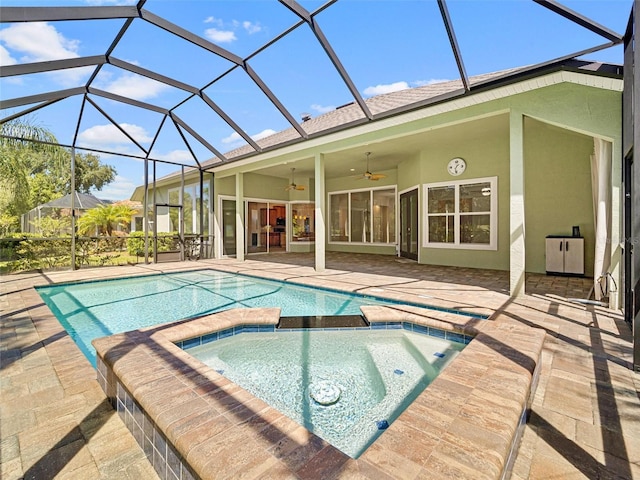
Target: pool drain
x=325, y=392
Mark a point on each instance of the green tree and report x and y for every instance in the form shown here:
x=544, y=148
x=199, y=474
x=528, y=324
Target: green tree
x=22, y=145
x=53, y=226
x=54, y=173
x=35, y=170
x=105, y=218
x=91, y=173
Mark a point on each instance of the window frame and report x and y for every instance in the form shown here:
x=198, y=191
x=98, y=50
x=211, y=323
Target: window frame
x=370, y=190
x=456, y=244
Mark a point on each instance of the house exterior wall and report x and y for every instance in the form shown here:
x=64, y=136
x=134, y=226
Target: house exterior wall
x=487, y=154
x=560, y=122
x=557, y=190
x=223, y=186
x=265, y=187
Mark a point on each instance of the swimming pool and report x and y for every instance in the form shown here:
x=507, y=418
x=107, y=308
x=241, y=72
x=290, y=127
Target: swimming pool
x=347, y=387
x=89, y=310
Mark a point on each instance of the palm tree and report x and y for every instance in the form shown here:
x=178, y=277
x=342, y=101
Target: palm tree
x=105, y=218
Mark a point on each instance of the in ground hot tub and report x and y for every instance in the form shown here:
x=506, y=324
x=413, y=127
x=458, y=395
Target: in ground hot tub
x=345, y=386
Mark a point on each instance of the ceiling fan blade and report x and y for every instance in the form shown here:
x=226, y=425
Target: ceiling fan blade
x=300, y=187
x=376, y=176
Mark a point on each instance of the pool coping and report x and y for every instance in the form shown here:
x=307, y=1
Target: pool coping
x=465, y=424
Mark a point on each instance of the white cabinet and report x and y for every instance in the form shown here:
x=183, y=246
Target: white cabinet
x=565, y=255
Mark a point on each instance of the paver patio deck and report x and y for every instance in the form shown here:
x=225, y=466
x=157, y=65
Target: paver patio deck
x=584, y=422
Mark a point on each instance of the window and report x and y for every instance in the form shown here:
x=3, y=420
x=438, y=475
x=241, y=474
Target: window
x=360, y=217
x=339, y=213
x=303, y=222
x=384, y=216
x=462, y=214
x=363, y=216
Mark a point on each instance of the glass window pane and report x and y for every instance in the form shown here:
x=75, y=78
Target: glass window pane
x=441, y=229
x=187, y=209
x=258, y=227
x=229, y=227
x=360, y=216
x=339, y=214
x=205, y=209
x=441, y=199
x=384, y=216
x=475, y=197
x=475, y=229
x=303, y=224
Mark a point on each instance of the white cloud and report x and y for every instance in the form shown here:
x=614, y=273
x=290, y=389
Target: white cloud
x=5, y=57
x=263, y=134
x=120, y=189
x=137, y=132
x=251, y=27
x=100, y=136
x=175, y=156
x=215, y=21
x=233, y=138
x=38, y=42
x=225, y=32
x=391, y=87
x=322, y=109
x=133, y=86
x=220, y=36
x=236, y=138
x=422, y=83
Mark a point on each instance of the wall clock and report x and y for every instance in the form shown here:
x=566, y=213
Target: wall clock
x=456, y=166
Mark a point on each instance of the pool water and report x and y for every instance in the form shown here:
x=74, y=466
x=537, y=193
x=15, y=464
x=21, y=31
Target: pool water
x=89, y=310
x=345, y=386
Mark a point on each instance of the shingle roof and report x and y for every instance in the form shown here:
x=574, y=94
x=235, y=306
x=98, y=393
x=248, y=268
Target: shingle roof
x=406, y=99
x=384, y=104
x=82, y=201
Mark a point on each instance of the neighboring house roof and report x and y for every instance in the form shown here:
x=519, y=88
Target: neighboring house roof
x=82, y=201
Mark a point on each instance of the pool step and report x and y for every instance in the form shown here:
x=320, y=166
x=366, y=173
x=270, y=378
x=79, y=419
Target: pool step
x=323, y=321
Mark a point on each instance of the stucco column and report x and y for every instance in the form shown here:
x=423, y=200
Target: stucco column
x=240, y=217
x=516, y=204
x=320, y=213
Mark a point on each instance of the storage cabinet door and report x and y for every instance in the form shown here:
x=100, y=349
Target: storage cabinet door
x=555, y=255
x=574, y=256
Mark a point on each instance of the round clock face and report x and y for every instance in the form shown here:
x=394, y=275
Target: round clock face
x=456, y=166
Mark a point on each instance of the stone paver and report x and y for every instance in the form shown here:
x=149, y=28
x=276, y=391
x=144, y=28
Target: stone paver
x=584, y=421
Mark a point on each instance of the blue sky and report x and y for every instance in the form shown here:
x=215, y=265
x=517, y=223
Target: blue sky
x=385, y=45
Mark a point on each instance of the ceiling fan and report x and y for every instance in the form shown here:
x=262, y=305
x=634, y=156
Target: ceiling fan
x=292, y=185
x=367, y=175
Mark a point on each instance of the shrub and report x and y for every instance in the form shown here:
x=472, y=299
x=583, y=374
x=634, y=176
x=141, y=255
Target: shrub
x=166, y=242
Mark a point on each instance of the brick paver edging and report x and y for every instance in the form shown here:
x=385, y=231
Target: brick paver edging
x=192, y=422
